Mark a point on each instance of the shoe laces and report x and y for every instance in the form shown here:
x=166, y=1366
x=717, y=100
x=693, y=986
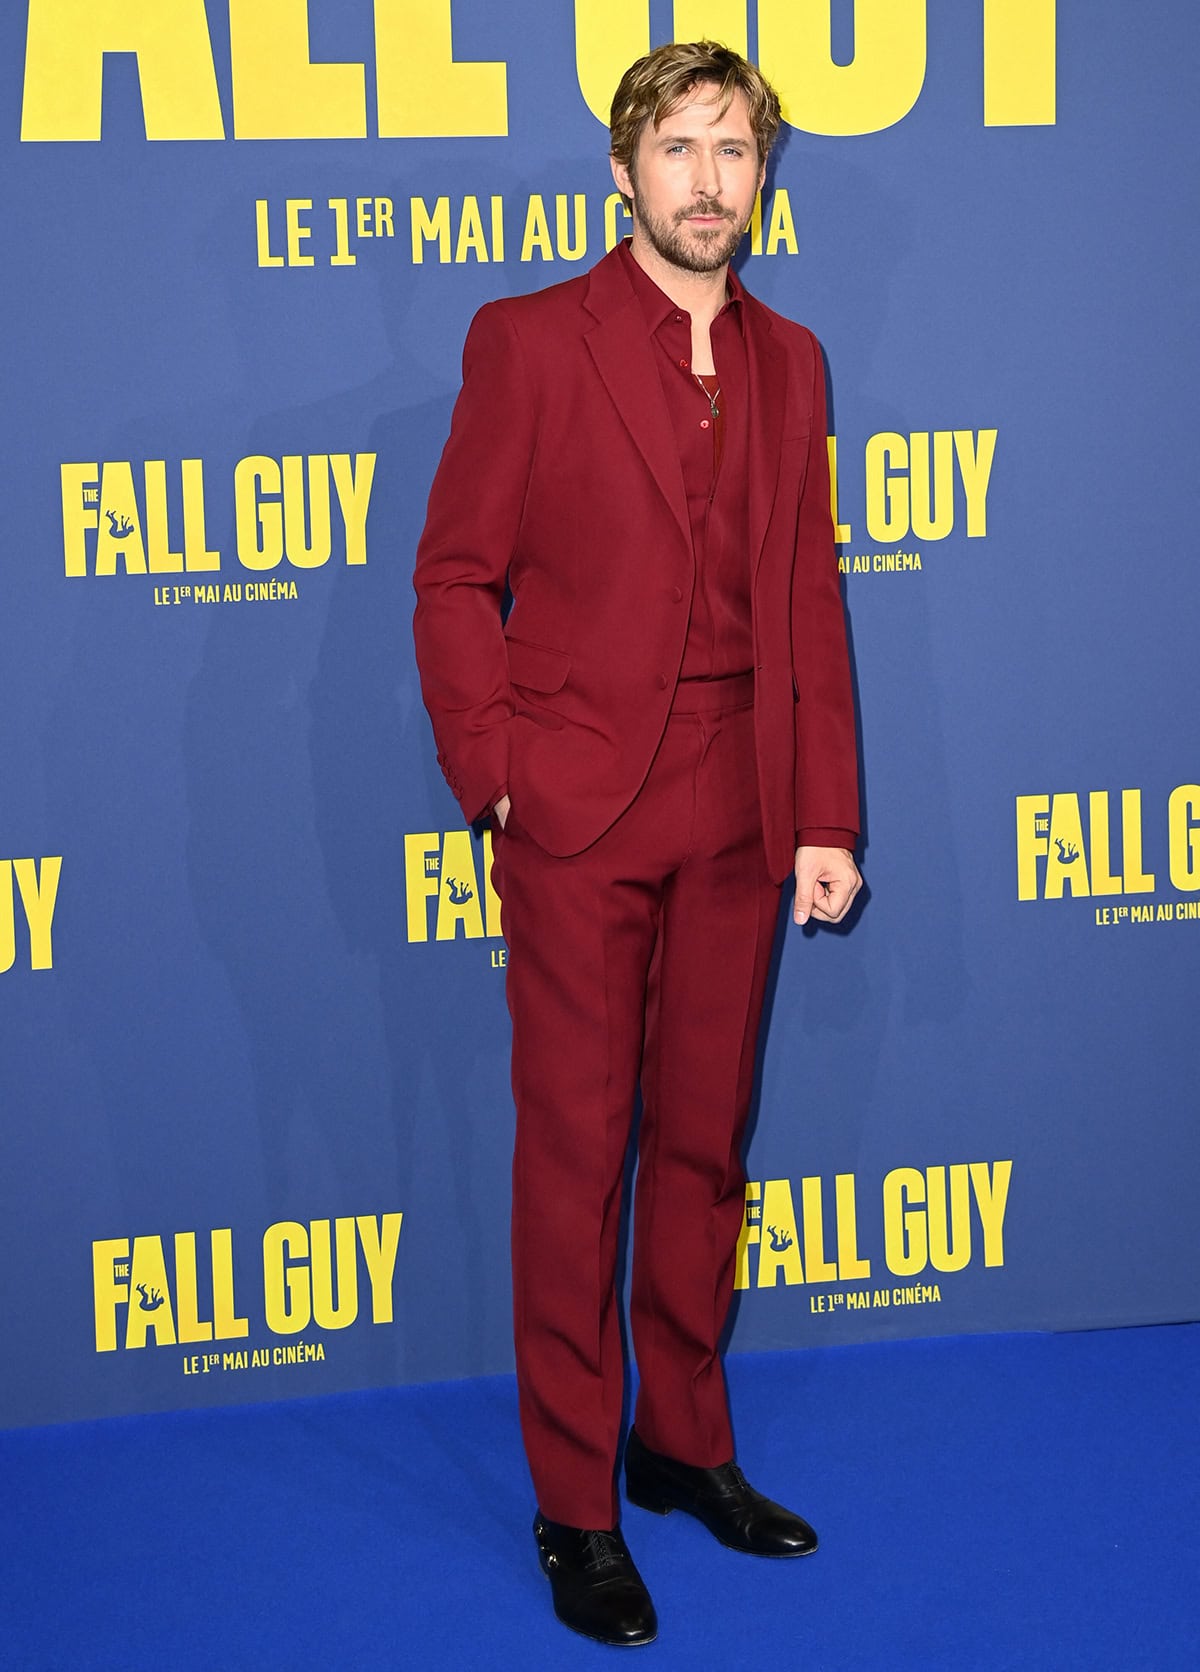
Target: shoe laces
x=603, y=1551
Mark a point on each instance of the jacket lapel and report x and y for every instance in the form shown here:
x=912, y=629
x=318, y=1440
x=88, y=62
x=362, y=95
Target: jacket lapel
x=624, y=357
x=767, y=380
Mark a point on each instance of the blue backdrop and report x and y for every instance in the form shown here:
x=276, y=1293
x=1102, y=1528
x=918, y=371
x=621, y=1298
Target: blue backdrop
x=256, y=1124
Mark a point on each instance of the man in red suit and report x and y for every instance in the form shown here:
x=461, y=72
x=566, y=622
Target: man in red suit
x=662, y=732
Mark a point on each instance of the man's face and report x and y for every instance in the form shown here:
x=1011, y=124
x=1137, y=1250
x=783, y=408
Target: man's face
x=694, y=180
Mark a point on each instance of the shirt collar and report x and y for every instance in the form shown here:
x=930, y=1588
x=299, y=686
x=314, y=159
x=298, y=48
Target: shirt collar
x=658, y=307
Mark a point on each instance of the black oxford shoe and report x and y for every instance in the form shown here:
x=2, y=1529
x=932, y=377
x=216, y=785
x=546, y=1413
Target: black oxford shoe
x=721, y=1498
x=596, y=1588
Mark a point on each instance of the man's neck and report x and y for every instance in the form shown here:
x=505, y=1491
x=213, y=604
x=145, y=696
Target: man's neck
x=702, y=295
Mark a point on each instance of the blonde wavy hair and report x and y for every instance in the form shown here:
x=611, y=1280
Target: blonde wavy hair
x=652, y=87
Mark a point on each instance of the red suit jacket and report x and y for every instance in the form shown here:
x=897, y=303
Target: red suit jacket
x=561, y=478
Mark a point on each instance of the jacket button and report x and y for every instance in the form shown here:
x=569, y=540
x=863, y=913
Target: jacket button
x=677, y=595
x=662, y=682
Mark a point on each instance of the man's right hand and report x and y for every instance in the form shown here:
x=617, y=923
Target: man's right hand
x=500, y=811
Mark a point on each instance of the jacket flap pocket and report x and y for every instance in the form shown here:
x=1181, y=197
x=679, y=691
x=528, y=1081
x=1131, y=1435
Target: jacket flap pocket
x=536, y=666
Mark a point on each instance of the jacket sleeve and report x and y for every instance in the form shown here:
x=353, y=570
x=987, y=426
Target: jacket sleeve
x=826, y=749
x=471, y=527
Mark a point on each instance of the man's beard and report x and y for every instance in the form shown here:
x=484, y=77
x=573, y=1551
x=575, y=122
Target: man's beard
x=695, y=249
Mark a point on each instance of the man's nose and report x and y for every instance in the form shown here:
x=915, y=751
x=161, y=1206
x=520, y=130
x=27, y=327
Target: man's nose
x=706, y=179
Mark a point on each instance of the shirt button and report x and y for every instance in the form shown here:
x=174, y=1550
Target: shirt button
x=679, y=319
x=704, y=423
x=683, y=363
x=662, y=681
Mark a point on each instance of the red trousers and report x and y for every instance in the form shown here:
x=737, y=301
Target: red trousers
x=644, y=956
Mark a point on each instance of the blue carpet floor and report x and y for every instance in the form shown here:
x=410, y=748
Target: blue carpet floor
x=984, y=1503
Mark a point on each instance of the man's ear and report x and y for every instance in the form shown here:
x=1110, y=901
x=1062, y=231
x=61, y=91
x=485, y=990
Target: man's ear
x=621, y=176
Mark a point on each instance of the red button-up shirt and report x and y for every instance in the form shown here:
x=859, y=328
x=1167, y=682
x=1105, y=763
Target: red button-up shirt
x=715, y=477
x=715, y=463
